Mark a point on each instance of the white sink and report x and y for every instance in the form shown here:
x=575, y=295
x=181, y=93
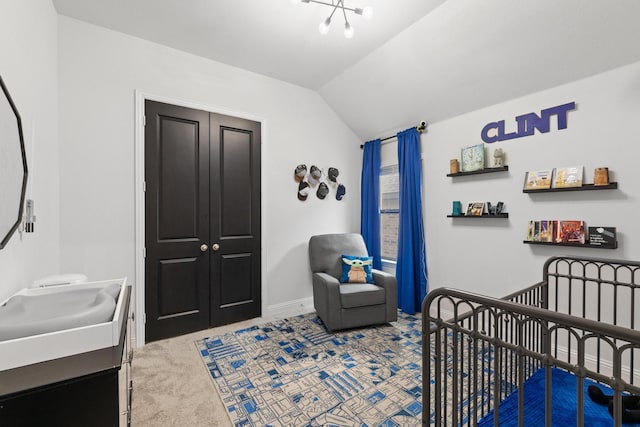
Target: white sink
x=40, y=324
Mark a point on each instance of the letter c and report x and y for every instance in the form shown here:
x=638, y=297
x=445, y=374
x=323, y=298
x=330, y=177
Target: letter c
x=485, y=132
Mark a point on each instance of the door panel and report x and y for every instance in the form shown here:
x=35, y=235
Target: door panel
x=178, y=152
x=235, y=219
x=176, y=220
x=236, y=269
x=177, y=286
x=235, y=182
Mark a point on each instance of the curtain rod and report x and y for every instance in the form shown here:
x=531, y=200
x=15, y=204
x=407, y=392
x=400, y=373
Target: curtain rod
x=420, y=128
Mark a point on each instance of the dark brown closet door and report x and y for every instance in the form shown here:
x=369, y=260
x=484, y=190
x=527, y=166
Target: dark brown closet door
x=235, y=219
x=203, y=236
x=177, y=220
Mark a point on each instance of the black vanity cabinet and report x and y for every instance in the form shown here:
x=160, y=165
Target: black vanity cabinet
x=94, y=389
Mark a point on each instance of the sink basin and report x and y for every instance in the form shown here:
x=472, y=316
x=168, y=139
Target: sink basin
x=41, y=324
x=26, y=315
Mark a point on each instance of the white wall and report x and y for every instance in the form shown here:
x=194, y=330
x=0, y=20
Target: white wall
x=29, y=68
x=466, y=55
x=99, y=72
x=488, y=256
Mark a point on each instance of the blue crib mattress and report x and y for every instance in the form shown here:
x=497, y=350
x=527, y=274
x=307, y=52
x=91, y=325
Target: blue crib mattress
x=563, y=405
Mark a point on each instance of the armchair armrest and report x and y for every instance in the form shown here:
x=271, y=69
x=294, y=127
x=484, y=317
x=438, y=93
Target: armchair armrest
x=389, y=283
x=326, y=299
x=384, y=279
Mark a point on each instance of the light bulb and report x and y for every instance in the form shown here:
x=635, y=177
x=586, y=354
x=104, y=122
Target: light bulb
x=348, y=30
x=324, y=26
x=367, y=13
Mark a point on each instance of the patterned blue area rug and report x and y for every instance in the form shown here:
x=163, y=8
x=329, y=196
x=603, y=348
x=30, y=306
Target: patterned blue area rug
x=293, y=373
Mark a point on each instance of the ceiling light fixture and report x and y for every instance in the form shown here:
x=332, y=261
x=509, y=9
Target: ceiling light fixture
x=335, y=5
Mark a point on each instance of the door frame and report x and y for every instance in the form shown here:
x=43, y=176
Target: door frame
x=139, y=173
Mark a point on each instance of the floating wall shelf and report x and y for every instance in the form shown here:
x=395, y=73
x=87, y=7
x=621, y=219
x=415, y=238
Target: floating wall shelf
x=502, y=215
x=485, y=170
x=584, y=187
x=575, y=245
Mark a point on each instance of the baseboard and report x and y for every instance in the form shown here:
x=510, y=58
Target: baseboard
x=289, y=308
x=591, y=363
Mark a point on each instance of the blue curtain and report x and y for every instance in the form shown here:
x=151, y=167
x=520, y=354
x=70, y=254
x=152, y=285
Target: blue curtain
x=370, y=200
x=411, y=267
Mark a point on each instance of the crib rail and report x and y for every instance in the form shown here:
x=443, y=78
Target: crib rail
x=479, y=349
x=600, y=289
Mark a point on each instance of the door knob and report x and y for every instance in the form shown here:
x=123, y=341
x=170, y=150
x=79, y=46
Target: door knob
x=204, y=247
x=215, y=247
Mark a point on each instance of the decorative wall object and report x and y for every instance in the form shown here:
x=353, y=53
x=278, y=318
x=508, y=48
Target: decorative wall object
x=313, y=179
x=315, y=173
x=456, y=208
x=323, y=190
x=13, y=167
x=538, y=180
x=568, y=177
x=300, y=172
x=601, y=176
x=527, y=124
x=498, y=157
x=472, y=158
x=603, y=236
x=475, y=209
x=303, y=191
x=454, y=166
x=495, y=209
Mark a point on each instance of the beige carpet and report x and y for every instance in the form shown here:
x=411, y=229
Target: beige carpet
x=171, y=385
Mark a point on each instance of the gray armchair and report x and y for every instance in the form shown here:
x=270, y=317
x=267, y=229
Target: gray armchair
x=348, y=305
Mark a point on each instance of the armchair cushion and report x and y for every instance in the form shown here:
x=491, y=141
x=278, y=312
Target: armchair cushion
x=356, y=269
x=361, y=295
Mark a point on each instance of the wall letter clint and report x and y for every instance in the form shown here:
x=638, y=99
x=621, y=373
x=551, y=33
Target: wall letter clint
x=527, y=124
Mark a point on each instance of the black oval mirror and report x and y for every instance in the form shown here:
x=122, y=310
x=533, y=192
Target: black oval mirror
x=13, y=167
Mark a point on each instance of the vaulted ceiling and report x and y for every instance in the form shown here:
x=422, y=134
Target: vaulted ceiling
x=277, y=38
x=415, y=59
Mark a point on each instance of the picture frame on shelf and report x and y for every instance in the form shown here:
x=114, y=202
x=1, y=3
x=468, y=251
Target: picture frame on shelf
x=545, y=231
x=472, y=158
x=475, y=209
x=604, y=237
x=568, y=177
x=570, y=232
x=495, y=209
x=530, y=230
x=538, y=180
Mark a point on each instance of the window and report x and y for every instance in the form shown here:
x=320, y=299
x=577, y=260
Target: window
x=389, y=212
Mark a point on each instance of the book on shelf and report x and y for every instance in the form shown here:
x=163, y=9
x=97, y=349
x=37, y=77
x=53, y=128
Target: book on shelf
x=568, y=177
x=570, y=232
x=529, y=237
x=475, y=209
x=540, y=231
x=472, y=158
x=604, y=237
x=538, y=180
x=545, y=231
